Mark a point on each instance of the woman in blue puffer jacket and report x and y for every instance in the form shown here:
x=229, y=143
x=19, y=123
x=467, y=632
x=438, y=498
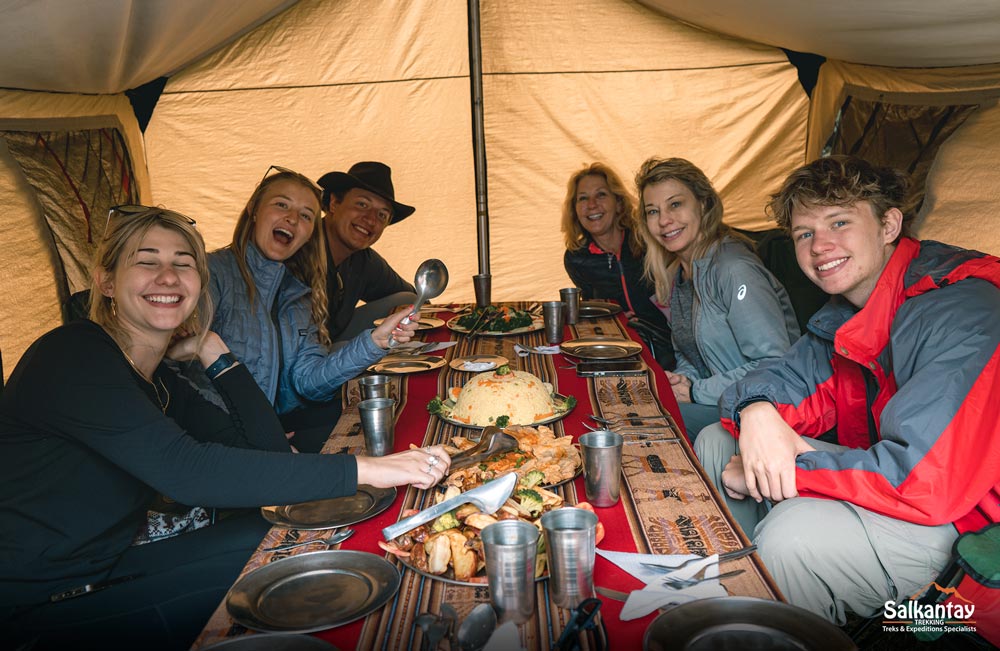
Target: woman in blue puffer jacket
x=269, y=289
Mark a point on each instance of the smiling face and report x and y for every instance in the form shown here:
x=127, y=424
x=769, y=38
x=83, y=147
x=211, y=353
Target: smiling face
x=843, y=249
x=673, y=216
x=158, y=288
x=284, y=219
x=356, y=222
x=597, y=208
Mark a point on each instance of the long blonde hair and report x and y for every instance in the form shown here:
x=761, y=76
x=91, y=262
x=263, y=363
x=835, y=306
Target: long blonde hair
x=573, y=232
x=661, y=265
x=120, y=243
x=308, y=264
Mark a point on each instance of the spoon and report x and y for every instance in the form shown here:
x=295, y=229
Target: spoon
x=335, y=539
x=425, y=621
x=430, y=280
x=475, y=631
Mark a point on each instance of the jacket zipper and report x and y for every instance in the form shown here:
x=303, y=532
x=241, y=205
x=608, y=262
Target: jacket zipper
x=871, y=392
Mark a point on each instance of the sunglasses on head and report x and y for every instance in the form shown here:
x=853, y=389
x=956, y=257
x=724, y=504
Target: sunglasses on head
x=277, y=169
x=134, y=210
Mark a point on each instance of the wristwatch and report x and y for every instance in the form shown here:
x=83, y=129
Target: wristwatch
x=225, y=361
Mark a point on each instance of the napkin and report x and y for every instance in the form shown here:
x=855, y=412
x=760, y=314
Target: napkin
x=478, y=366
x=542, y=350
x=656, y=595
x=505, y=638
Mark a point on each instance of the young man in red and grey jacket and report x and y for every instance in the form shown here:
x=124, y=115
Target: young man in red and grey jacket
x=898, y=374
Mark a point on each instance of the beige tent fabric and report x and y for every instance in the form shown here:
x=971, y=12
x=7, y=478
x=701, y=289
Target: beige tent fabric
x=28, y=283
x=328, y=83
x=905, y=33
x=324, y=85
x=109, y=46
x=963, y=187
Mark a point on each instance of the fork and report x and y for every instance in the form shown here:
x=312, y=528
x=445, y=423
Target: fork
x=699, y=577
x=622, y=419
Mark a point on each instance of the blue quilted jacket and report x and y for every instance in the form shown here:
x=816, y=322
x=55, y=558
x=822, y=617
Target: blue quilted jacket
x=275, y=337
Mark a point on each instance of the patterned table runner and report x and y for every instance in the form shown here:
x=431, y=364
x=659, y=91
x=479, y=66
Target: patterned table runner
x=667, y=503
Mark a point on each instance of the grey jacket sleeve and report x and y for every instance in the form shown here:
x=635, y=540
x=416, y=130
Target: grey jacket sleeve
x=759, y=317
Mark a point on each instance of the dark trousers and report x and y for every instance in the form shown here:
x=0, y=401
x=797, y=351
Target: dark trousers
x=181, y=581
x=312, y=425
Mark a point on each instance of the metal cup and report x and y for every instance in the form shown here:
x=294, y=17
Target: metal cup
x=552, y=313
x=570, y=542
x=378, y=422
x=602, y=466
x=481, y=283
x=571, y=297
x=510, y=547
x=375, y=386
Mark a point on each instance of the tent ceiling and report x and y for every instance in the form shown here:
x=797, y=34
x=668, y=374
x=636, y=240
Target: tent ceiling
x=901, y=33
x=109, y=46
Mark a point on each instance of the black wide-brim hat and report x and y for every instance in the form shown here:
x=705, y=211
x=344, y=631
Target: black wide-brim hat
x=369, y=175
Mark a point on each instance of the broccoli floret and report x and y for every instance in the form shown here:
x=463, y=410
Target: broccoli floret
x=503, y=370
x=445, y=522
x=532, y=478
x=434, y=406
x=502, y=421
x=531, y=501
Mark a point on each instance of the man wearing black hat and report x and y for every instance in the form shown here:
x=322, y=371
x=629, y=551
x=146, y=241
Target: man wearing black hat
x=359, y=204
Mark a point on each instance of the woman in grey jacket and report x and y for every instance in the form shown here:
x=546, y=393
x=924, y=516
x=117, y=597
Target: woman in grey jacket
x=269, y=288
x=726, y=311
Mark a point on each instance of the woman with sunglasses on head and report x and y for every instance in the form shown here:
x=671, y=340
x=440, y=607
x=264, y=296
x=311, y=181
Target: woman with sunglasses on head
x=93, y=423
x=727, y=312
x=269, y=287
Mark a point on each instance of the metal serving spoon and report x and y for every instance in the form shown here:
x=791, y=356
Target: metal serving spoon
x=475, y=631
x=430, y=280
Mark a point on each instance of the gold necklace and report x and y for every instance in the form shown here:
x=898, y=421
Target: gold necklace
x=162, y=403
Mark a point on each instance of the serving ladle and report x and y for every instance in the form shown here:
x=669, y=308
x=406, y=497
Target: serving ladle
x=430, y=281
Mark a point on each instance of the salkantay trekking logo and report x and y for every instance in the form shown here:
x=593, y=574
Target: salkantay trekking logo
x=911, y=616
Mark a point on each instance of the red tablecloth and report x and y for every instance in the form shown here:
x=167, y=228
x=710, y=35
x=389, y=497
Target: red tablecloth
x=679, y=514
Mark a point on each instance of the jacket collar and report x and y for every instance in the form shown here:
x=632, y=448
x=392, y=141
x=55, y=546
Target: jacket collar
x=270, y=275
x=866, y=334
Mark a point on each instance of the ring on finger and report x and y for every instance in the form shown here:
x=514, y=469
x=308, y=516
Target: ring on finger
x=433, y=461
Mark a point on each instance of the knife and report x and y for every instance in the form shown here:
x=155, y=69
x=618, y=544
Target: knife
x=617, y=595
x=488, y=498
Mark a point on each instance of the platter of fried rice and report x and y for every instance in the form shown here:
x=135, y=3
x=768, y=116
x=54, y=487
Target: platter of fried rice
x=500, y=397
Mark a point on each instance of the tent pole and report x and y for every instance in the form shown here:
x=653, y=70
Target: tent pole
x=479, y=138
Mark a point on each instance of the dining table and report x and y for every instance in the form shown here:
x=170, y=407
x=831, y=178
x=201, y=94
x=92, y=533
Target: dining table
x=667, y=503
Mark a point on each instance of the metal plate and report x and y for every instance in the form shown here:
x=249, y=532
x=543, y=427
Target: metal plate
x=536, y=324
x=724, y=623
x=601, y=348
x=328, y=514
x=403, y=364
x=312, y=592
x=425, y=323
x=559, y=415
x=596, y=309
x=496, y=360
x=273, y=642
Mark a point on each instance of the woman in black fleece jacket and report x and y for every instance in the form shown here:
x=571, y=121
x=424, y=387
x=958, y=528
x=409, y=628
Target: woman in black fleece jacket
x=93, y=425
